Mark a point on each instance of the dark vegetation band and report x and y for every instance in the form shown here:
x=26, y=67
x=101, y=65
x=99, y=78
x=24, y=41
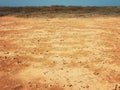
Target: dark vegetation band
x=60, y=11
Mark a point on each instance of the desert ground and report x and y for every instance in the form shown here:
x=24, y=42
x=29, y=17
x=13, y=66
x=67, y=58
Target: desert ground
x=59, y=53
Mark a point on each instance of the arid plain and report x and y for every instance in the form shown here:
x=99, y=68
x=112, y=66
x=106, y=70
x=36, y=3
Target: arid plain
x=59, y=53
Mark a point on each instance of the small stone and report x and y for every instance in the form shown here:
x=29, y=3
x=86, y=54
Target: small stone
x=96, y=73
x=18, y=87
x=19, y=62
x=70, y=85
x=5, y=57
x=87, y=86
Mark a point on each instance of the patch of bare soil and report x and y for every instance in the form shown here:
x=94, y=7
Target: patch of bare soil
x=60, y=53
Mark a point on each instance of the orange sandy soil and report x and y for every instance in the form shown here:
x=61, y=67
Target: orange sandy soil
x=60, y=53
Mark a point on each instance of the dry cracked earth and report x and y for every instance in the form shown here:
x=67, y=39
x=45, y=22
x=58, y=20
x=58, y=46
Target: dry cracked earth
x=60, y=53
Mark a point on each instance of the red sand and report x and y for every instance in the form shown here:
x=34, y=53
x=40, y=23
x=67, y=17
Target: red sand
x=59, y=53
